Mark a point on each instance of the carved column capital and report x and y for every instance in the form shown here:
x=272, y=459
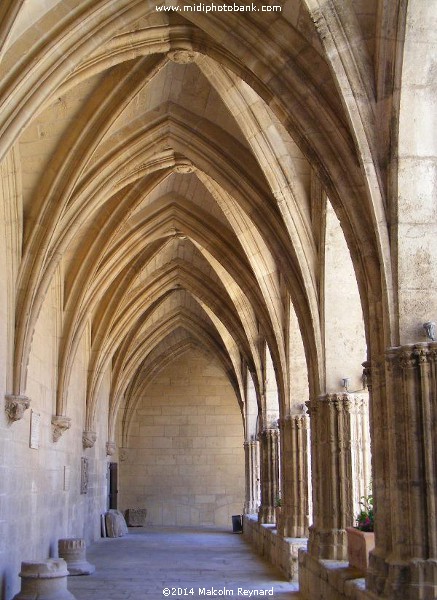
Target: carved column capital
x=60, y=424
x=89, y=439
x=15, y=406
x=110, y=448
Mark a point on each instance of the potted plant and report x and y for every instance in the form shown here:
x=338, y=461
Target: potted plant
x=361, y=539
x=278, y=509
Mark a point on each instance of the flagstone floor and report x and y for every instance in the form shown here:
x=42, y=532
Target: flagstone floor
x=180, y=564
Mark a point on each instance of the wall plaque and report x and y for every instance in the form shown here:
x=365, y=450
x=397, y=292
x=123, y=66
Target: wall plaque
x=84, y=476
x=35, y=420
x=66, y=479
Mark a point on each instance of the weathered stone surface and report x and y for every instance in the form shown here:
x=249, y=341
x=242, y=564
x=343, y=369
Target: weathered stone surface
x=136, y=517
x=269, y=454
x=44, y=580
x=15, y=406
x=359, y=544
x=73, y=551
x=60, y=424
x=115, y=524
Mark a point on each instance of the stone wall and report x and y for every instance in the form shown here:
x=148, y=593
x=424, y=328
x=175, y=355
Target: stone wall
x=330, y=580
x=185, y=457
x=280, y=552
x=40, y=495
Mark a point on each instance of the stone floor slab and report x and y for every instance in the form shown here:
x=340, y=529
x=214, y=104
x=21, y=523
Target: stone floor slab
x=182, y=564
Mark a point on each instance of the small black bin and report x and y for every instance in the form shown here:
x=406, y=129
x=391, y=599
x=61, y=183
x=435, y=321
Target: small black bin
x=237, y=523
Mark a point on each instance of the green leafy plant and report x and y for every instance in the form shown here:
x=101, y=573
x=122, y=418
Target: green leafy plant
x=365, y=518
x=278, y=501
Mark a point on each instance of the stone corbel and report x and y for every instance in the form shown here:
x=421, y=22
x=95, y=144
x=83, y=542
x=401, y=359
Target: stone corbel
x=15, y=406
x=110, y=448
x=89, y=439
x=60, y=424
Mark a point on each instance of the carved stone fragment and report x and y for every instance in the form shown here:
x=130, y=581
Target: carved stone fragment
x=115, y=524
x=136, y=517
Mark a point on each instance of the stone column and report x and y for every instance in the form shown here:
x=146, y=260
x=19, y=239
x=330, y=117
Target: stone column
x=333, y=495
x=294, y=457
x=404, y=562
x=269, y=455
x=251, y=453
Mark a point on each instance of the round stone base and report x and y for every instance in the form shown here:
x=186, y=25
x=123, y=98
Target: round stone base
x=73, y=551
x=45, y=580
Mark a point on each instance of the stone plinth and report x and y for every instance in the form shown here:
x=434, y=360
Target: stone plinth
x=115, y=524
x=136, y=517
x=44, y=580
x=359, y=544
x=73, y=551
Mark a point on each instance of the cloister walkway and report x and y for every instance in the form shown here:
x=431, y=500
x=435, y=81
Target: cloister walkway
x=141, y=565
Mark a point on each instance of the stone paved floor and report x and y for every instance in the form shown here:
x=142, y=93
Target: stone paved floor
x=140, y=565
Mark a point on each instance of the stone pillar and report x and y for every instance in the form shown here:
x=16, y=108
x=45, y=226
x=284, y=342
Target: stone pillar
x=73, y=551
x=294, y=457
x=45, y=580
x=251, y=453
x=331, y=450
x=404, y=562
x=269, y=455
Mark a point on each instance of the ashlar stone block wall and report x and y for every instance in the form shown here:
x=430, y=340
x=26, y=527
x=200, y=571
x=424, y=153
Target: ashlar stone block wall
x=185, y=457
x=40, y=496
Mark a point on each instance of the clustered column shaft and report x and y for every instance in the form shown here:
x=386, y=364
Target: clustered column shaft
x=252, y=461
x=269, y=454
x=404, y=563
x=332, y=443
x=294, y=457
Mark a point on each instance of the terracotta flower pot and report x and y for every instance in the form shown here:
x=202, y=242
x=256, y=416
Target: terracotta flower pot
x=359, y=544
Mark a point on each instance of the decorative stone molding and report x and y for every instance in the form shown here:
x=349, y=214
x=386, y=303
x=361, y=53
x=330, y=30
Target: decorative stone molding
x=15, y=406
x=183, y=166
x=252, y=463
x=182, y=56
x=110, y=448
x=89, y=438
x=60, y=424
x=269, y=454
